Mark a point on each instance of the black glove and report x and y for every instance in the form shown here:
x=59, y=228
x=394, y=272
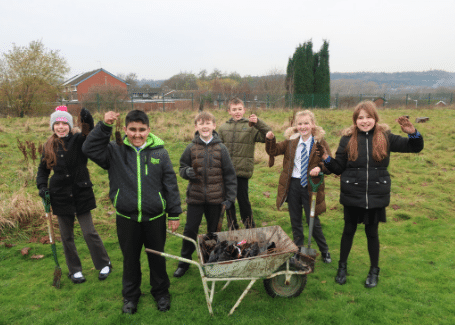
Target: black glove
x=42, y=192
x=87, y=118
x=227, y=204
x=190, y=173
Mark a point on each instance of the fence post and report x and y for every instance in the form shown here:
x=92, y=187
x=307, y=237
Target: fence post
x=192, y=101
x=383, y=103
x=267, y=105
x=336, y=100
x=164, y=108
x=429, y=96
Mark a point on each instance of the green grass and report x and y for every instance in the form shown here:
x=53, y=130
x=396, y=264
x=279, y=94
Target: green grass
x=417, y=263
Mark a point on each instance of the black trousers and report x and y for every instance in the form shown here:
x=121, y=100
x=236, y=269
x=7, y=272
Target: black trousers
x=244, y=206
x=298, y=196
x=132, y=236
x=193, y=221
x=94, y=243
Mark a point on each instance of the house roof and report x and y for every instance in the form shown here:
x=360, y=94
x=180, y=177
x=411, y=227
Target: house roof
x=76, y=80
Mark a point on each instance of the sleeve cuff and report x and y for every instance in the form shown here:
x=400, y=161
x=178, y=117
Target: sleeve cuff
x=328, y=160
x=415, y=135
x=173, y=216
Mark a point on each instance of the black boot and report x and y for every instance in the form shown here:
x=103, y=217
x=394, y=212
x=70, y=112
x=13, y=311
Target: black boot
x=372, y=278
x=341, y=273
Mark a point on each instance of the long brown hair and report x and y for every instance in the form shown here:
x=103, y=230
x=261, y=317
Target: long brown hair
x=380, y=142
x=50, y=150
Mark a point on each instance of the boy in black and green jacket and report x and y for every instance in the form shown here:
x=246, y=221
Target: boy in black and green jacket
x=240, y=135
x=143, y=190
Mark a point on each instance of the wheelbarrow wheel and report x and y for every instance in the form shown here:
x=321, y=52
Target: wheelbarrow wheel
x=276, y=286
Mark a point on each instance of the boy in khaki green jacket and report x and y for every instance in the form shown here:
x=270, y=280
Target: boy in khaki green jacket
x=240, y=135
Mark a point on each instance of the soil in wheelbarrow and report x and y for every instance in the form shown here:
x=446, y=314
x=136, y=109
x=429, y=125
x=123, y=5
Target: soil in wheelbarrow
x=215, y=250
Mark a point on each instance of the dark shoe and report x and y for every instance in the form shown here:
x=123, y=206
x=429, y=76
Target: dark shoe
x=104, y=273
x=77, y=277
x=180, y=272
x=129, y=307
x=164, y=303
x=326, y=257
x=341, y=273
x=372, y=278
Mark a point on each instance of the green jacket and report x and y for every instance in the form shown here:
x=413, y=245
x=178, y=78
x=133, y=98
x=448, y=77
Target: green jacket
x=240, y=139
x=143, y=184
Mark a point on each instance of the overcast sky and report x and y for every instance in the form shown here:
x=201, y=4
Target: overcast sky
x=158, y=39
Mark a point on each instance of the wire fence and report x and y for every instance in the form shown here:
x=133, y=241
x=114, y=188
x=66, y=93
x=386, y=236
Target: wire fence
x=207, y=100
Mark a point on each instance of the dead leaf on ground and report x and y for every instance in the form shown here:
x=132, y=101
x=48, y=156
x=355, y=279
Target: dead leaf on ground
x=266, y=194
x=324, y=281
x=110, y=212
x=9, y=245
x=444, y=169
x=424, y=184
x=44, y=240
x=33, y=240
x=264, y=224
x=24, y=251
x=395, y=207
x=37, y=257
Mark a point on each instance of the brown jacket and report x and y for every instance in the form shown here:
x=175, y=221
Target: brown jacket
x=288, y=148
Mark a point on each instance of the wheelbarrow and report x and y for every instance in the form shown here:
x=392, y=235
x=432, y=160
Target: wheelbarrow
x=279, y=276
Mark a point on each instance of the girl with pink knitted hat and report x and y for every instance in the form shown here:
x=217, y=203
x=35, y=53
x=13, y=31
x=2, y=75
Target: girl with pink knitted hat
x=70, y=190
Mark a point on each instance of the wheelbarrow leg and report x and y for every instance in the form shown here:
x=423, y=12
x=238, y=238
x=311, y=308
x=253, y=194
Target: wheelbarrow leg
x=243, y=295
x=208, y=297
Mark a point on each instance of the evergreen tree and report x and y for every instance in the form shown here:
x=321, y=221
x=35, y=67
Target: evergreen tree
x=308, y=76
x=322, y=77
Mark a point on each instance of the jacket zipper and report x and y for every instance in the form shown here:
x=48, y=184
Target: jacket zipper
x=368, y=168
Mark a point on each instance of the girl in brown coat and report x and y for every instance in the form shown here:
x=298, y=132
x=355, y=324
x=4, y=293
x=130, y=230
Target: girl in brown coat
x=302, y=160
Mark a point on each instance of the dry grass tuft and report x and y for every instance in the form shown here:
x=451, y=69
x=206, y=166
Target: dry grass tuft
x=19, y=210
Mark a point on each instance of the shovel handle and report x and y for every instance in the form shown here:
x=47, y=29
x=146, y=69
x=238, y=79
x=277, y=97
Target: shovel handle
x=314, y=187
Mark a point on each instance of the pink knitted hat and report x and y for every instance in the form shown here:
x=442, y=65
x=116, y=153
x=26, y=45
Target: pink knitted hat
x=61, y=115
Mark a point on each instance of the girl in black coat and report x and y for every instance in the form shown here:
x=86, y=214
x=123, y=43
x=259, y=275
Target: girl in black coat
x=71, y=191
x=362, y=159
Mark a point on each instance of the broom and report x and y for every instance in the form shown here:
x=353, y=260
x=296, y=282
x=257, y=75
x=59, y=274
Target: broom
x=50, y=227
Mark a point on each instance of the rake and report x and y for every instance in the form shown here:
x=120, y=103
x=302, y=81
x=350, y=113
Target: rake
x=50, y=227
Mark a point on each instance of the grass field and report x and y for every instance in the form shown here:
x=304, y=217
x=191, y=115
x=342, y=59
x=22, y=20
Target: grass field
x=417, y=262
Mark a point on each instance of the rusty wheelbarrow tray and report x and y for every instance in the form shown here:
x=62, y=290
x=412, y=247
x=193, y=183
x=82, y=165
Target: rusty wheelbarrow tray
x=281, y=278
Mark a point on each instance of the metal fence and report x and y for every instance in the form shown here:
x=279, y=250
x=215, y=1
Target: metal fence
x=207, y=100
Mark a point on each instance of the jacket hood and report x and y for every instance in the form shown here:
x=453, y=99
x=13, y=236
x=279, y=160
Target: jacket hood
x=152, y=141
x=291, y=133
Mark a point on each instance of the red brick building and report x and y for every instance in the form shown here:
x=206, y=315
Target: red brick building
x=78, y=87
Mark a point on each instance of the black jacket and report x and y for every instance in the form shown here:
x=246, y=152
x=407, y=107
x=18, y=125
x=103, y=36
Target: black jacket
x=70, y=187
x=142, y=184
x=365, y=182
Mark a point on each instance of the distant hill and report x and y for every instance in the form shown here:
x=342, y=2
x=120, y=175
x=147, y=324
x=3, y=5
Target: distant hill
x=432, y=78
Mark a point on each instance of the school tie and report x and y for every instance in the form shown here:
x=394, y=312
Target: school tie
x=303, y=166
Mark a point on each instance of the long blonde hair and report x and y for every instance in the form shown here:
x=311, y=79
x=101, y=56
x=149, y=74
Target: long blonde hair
x=380, y=142
x=318, y=132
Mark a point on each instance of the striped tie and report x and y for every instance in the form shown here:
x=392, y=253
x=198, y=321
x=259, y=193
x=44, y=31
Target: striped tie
x=303, y=166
